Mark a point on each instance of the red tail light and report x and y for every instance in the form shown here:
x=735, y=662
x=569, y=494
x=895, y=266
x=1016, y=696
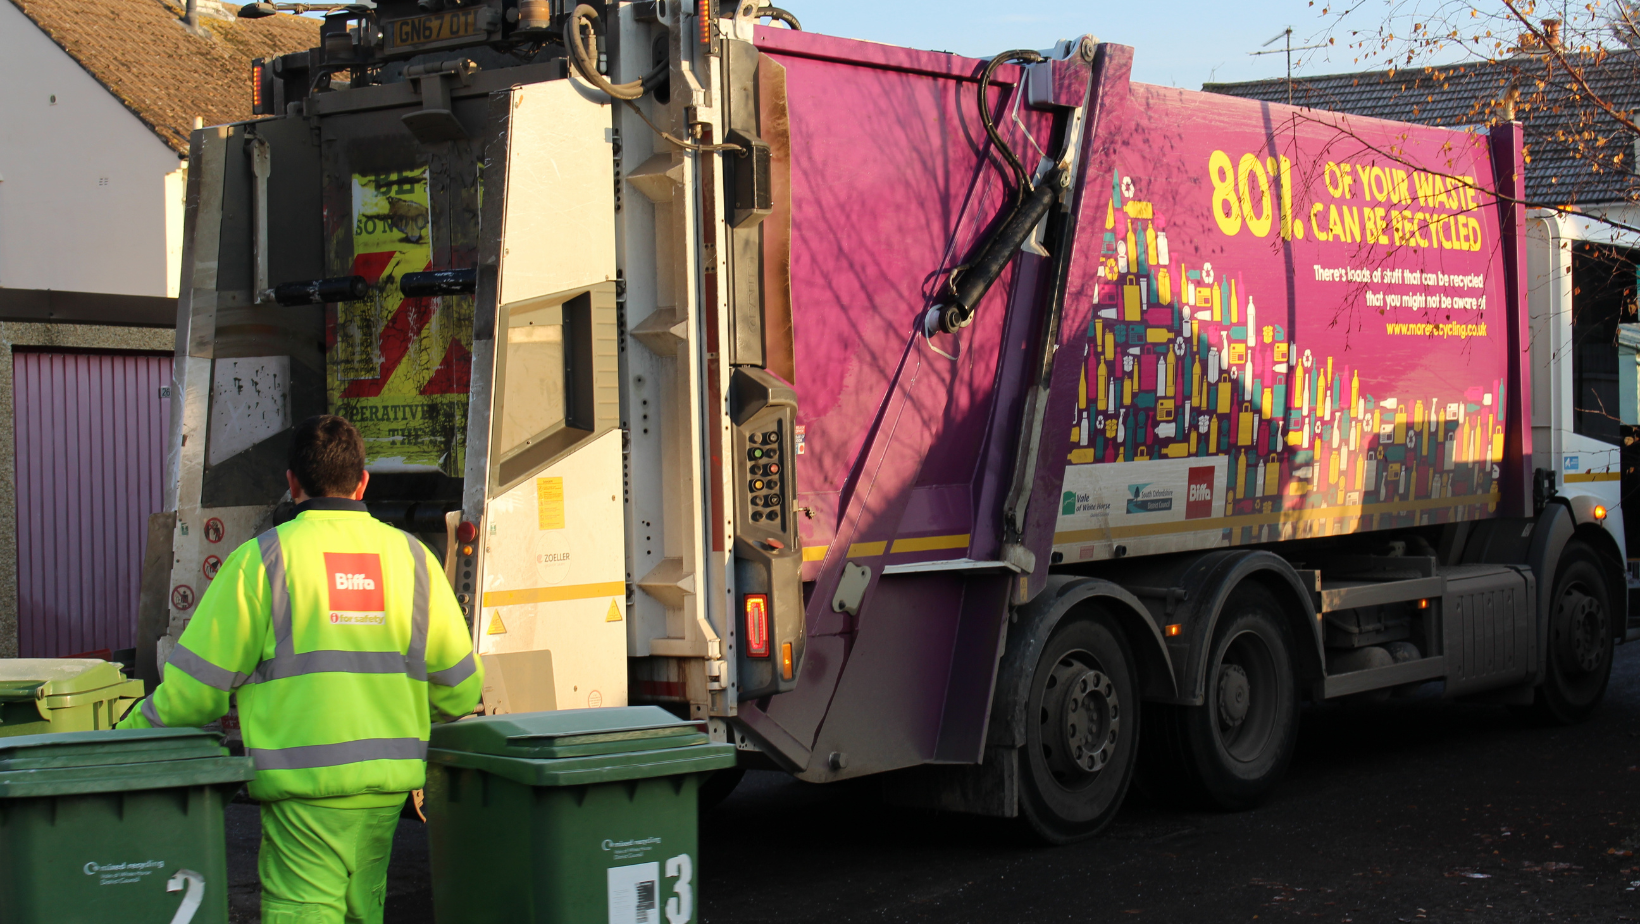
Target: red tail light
x=757, y=625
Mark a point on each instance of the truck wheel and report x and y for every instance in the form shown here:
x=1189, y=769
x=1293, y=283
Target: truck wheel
x=1578, y=661
x=1231, y=751
x=1082, y=731
x=717, y=787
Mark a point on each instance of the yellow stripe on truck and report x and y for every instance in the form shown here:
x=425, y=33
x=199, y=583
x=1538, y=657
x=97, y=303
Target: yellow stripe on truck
x=554, y=594
x=1339, y=512
x=931, y=543
x=1593, y=476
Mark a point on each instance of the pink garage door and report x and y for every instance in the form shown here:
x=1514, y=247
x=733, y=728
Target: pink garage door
x=90, y=465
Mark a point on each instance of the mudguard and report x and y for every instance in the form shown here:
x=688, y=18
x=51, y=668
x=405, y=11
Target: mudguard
x=1597, y=533
x=1032, y=625
x=1189, y=591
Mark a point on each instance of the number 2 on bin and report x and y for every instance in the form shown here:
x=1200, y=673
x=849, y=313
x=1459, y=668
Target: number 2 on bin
x=681, y=905
x=192, y=887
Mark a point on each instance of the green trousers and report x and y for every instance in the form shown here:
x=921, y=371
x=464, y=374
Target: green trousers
x=323, y=865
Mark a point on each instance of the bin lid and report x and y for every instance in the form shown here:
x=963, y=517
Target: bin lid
x=574, y=746
x=106, y=748
x=23, y=679
x=570, y=732
x=120, y=759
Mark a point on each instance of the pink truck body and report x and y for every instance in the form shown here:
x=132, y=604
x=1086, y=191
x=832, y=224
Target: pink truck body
x=1277, y=324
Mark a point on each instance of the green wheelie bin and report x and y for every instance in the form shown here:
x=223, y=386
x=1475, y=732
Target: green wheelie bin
x=40, y=695
x=583, y=816
x=115, y=827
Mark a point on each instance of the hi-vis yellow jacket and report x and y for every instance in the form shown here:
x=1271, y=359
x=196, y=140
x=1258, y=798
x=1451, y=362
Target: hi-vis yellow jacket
x=337, y=634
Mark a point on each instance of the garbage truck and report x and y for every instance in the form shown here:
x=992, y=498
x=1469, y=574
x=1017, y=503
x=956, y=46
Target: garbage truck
x=1002, y=427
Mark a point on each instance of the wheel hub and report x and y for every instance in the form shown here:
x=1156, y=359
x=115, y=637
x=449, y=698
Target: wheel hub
x=1235, y=695
x=1085, y=719
x=1580, y=621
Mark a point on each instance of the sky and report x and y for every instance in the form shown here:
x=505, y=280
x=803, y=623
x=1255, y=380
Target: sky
x=1182, y=43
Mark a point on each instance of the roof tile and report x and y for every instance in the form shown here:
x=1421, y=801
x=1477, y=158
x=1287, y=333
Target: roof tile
x=166, y=75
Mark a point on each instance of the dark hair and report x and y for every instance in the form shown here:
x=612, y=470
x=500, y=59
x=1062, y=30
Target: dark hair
x=327, y=456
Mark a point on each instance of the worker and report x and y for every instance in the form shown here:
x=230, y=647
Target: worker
x=340, y=639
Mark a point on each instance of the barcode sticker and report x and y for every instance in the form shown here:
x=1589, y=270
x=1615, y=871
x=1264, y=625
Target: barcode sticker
x=632, y=892
x=646, y=900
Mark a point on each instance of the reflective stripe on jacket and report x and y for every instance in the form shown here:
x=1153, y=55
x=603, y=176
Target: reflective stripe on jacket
x=339, y=637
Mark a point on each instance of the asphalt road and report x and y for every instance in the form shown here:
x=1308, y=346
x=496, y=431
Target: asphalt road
x=1414, y=811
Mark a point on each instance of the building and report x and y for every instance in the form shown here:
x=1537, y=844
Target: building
x=101, y=99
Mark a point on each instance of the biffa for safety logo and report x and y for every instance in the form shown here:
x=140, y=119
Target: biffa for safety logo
x=355, y=588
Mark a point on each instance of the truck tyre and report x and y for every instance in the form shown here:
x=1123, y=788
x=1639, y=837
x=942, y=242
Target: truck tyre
x=1081, y=731
x=1231, y=751
x=718, y=786
x=1578, y=659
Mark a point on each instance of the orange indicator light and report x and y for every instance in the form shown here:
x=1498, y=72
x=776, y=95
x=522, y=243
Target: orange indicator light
x=786, y=661
x=1599, y=511
x=1175, y=629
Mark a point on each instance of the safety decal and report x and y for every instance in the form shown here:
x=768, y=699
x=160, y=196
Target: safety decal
x=182, y=597
x=549, y=502
x=214, y=530
x=212, y=565
x=355, y=587
x=614, y=614
x=496, y=626
x=800, y=437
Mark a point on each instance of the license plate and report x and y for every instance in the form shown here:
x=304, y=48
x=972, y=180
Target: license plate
x=439, y=27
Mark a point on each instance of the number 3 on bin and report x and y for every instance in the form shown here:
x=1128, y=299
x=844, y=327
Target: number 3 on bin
x=680, y=906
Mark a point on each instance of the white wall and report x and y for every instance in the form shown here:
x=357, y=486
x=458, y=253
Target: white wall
x=85, y=203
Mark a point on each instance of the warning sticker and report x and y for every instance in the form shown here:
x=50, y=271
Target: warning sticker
x=182, y=597
x=211, y=567
x=549, y=501
x=614, y=614
x=356, y=596
x=632, y=893
x=213, y=530
x=400, y=366
x=497, y=627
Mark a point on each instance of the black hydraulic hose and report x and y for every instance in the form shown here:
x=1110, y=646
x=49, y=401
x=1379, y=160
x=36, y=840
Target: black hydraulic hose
x=320, y=291
x=434, y=283
x=1022, y=178
x=582, y=59
x=780, y=15
x=661, y=74
x=994, y=256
